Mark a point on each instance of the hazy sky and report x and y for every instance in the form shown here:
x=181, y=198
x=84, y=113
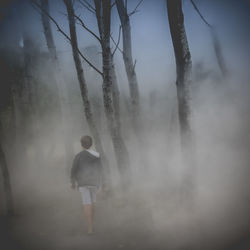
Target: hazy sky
x=152, y=45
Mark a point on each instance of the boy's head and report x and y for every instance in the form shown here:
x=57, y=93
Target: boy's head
x=86, y=141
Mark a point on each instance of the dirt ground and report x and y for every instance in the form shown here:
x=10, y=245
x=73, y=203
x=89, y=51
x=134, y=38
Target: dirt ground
x=49, y=216
x=52, y=219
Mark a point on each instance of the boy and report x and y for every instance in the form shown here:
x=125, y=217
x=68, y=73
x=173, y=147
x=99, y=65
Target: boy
x=86, y=173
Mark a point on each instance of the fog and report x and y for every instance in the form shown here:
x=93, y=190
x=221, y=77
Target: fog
x=155, y=212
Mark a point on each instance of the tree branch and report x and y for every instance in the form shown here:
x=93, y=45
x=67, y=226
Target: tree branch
x=50, y=17
x=117, y=44
x=64, y=14
x=65, y=35
x=199, y=13
x=98, y=18
x=135, y=10
x=134, y=66
x=113, y=4
x=88, y=6
x=86, y=28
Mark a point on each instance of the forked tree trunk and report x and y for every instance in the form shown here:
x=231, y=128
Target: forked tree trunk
x=128, y=61
x=103, y=9
x=132, y=79
x=183, y=70
x=82, y=82
x=6, y=179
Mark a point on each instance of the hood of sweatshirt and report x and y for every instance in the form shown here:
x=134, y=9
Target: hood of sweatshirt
x=94, y=153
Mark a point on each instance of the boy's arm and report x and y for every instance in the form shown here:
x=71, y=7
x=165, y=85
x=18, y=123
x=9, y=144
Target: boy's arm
x=73, y=172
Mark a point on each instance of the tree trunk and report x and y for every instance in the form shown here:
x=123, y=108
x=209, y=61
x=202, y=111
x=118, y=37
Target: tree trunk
x=6, y=179
x=82, y=82
x=103, y=9
x=132, y=79
x=116, y=97
x=183, y=70
x=128, y=61
x=31, y=118
x=61, y=89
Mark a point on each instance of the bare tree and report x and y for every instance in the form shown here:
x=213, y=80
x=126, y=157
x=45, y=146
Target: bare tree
x=80, y=74
x=111, y=94
x=131, y=74
x=83, y=86
x=97, y=10
x=6, y=178
x=103, y=15
x=115, y=87
x=183, y=71
x=103, y=18
x=128, y=59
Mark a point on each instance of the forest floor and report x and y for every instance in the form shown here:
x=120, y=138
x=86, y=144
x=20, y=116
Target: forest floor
x=49, y=216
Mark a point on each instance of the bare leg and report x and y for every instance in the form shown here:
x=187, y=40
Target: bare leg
x=93, y=211
x=88, y=211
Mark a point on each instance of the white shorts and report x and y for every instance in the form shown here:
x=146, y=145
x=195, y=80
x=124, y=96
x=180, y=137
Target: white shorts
x=88, y=194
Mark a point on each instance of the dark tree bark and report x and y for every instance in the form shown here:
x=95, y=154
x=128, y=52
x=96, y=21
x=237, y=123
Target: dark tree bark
x=132, y=78
x=82, y=82
x=103, y=11
x=116, y=97
x=6, y=179
x=183, y=71
x=128, y=61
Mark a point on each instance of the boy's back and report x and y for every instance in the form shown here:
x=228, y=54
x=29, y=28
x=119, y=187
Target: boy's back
x=86, y=170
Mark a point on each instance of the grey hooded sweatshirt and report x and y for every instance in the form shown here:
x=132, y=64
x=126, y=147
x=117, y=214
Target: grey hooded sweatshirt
x=87, y=169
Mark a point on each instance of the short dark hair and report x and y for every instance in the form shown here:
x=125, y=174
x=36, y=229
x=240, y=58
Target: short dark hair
x=86, y=141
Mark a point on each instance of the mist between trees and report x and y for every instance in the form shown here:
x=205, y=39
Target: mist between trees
x=174, y=144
